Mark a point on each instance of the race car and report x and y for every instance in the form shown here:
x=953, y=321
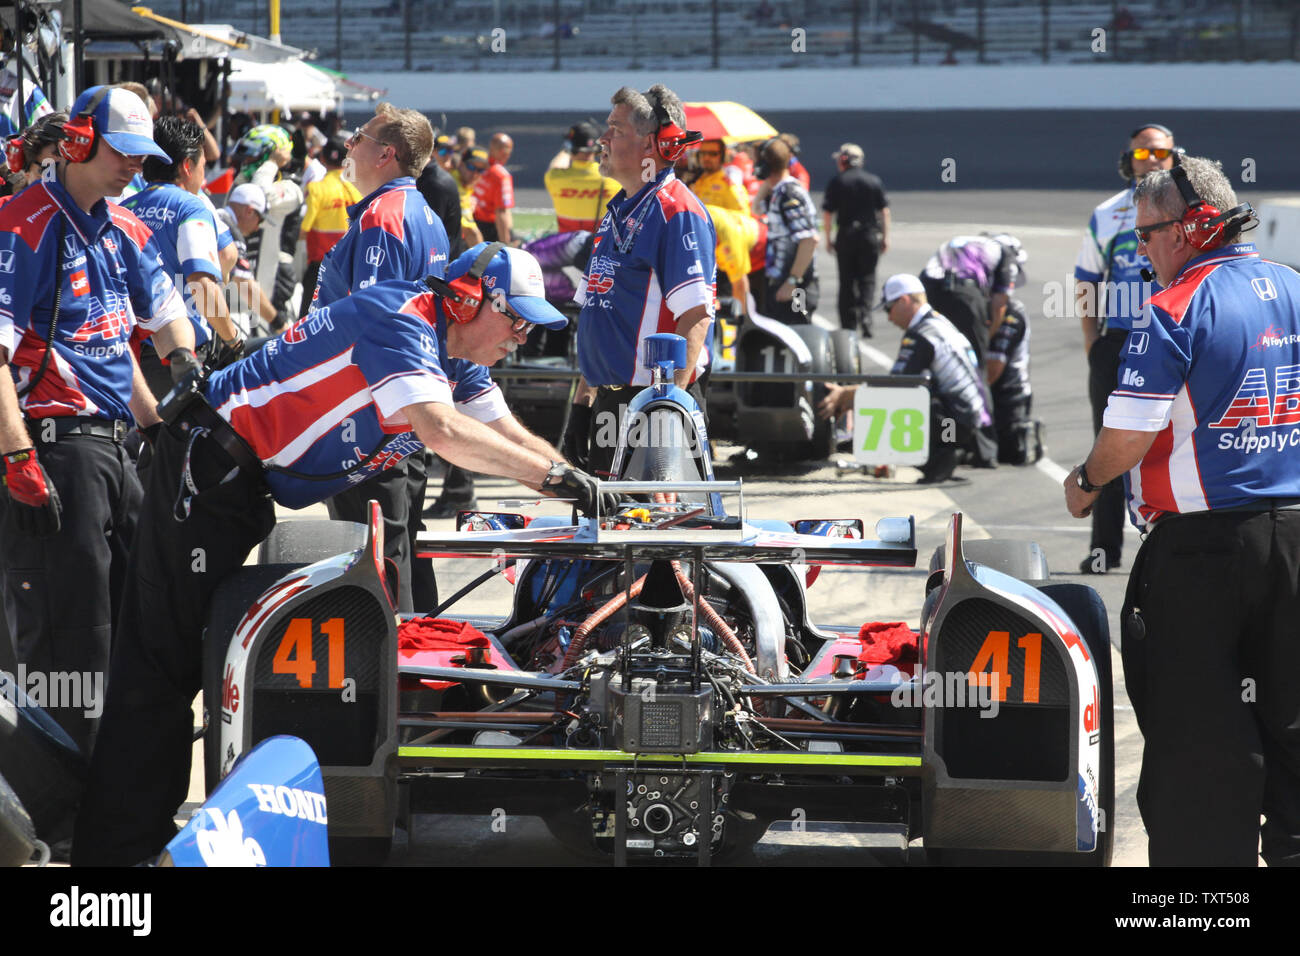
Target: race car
x=657, y=690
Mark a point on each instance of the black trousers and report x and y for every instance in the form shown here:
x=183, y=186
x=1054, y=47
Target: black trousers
x=1109, y=511
x=964, y=305
x=61, y=592
x=786, y=311
x=140, y=770
x=309, y=277
x=607, y=412
x=857, y=251
x=1009, y=414
x=424, y=586
x=488, y=230
x=1214, y=688
x=398, y=496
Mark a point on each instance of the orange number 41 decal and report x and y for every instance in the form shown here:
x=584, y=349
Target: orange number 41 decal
x=991, y=664
x=294, y=655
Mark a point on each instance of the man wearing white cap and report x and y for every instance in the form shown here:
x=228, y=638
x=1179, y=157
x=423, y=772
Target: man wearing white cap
x=412, y=357
x=958, y=393
x=78, y=275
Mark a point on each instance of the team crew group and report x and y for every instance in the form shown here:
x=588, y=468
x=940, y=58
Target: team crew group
x=419, y=287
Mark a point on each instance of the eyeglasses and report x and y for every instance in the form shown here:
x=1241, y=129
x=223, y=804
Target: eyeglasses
x=1144, y=232
x=359, y=133
x=517, y=322
x=1143, y=152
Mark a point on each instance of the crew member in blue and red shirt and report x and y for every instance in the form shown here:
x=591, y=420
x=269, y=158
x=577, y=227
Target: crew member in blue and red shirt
x=652, y=270
x=393, y=234
x=334, y=399
x=78, y=274
x=1205, y=421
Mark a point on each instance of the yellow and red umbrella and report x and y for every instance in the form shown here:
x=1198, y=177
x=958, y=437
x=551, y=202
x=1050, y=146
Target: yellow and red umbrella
x=727, y=121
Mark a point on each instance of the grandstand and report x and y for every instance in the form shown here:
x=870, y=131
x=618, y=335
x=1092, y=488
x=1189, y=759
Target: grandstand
x=470, y=35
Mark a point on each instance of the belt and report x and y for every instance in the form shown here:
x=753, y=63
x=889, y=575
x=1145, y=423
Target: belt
x=64, y=425
x=1262, y=506
x=204, y=416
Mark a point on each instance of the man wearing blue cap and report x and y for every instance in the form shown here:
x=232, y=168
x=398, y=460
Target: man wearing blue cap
x=345, y=386
x=79, y=277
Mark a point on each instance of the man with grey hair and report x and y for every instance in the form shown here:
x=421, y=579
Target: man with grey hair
x=652, y=270
x=1206, y=422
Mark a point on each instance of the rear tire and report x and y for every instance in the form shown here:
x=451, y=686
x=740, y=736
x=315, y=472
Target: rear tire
x=310, y=540
x=229, y=605
x=824, y=360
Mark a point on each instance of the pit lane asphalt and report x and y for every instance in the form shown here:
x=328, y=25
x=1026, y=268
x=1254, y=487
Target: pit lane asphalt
x=1017, y=503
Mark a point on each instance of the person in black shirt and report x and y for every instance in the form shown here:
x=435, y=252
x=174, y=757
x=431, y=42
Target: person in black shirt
x=441, y=193
x=861, y=209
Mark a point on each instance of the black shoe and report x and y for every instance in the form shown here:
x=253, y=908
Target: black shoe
x=1092, y=565
x=449, y=508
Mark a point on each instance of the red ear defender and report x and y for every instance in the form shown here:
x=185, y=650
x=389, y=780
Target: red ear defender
x=1202, y=224
x=15, y=157
x=462, y=296
x=671, y=139
x=79, y=137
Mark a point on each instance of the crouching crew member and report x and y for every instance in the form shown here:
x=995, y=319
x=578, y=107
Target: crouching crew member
x=1020, y=439
x=347, y=384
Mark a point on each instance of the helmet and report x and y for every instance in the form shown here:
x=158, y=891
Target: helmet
x=257, y=145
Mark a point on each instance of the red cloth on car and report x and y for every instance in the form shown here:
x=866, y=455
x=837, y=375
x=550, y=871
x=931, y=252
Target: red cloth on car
x=887, y=643
x=438, y=634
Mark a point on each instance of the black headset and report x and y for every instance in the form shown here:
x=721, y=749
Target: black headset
x=1126, y=157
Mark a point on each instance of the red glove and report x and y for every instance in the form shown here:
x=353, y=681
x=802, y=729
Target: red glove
x=34, y=502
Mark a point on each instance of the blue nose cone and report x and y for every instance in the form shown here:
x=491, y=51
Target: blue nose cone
x=664, y=351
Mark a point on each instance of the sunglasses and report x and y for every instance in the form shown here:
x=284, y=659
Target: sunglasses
x=1143, y=152
x=358, y=134
x=1144, y=232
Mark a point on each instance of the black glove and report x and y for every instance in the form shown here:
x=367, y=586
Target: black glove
x=222, y=353
x=33, y=499
x=575, y=443
x=182, y=361
x=565, y=481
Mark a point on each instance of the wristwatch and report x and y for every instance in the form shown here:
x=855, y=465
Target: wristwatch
x=792, y=280
x=1081, y=476
x=555, y=474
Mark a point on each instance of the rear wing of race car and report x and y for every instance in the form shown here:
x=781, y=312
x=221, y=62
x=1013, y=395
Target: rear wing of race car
x=731, y=538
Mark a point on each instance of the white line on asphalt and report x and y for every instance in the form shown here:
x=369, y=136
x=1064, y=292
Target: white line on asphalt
x=1052, y=470
x=877, y=356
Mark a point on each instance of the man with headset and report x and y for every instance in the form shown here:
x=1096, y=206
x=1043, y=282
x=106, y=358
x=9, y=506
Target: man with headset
x=363, y=382
x=1206, y=423
x=77, y=275
x=652, y=270
x=1110, y=292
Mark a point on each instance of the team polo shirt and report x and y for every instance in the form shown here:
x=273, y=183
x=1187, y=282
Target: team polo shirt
x=724, y=187
x=326, y=219
x=494, y=191
x=580, y=194
x=112, y=280
x=186, y=235
x=1214, y=371
x=394, y=235
x=1109, y=255
x=323, y=395
x=651, y=262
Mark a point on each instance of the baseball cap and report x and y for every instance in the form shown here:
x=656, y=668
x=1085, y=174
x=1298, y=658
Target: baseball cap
x=850, y=151
x=443, y=144
x=122, y=119
x=251, y=195
x=902, y=284
x=477, y=156
x=517, y=275
x=583, y=136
